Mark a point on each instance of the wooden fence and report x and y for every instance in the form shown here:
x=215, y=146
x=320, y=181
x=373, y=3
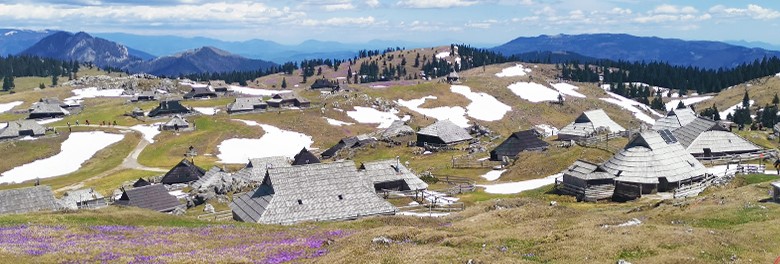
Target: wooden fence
x=466, y=163
x=225, y=215
x=738, y=158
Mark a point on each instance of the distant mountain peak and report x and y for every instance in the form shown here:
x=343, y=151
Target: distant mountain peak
x=83, y=47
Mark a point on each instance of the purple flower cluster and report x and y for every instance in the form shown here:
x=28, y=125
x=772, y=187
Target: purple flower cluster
x=131, y=244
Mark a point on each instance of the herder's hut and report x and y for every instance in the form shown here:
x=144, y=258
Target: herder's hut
x=347, y=143
x=184, y=172
x=152, y=197
x=315, y=192
x=247, y=104
x=200, y=92
x=137, y=112
x=653, y=161
x=304, y=158
x=323, y=83
x=390, y=175
x=22, y=128
x=169, y=107
x=443, y=132
x=453, y=78
x=287, y=100
x=396, y=129
x=527, y=140
x=675, y=119
x=144, y=96
x=256, y=169
x=587, y=182
x=26, y=200
x=86, y=198
x=47, y=110
x=587, y=124
x=175, y=124
x=706, y=138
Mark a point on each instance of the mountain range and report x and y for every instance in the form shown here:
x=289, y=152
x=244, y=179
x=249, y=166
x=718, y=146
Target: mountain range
x=703, y=54
x=13, y=41
x=200, y=60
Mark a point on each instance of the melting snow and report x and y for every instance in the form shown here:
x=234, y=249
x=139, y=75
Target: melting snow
x=493, y=175
x=731, y=110
x=48, y=121
x=568, y=89
x=533, y=92
x=92, y=92
x=688, y=101
x=78, y=148
x=632, y=106
x=423, y=214
x=455, y=114
x=367, y=115
x=442, y=55
x=149, y=131
x=439, y=198
x=513, y=71
x=5, y=107
x=275, y=142
x=255, y=91
x=483, y=106
x=206, y=110
x=334, y=122
x=548, y=130
x=521, y=186
x=194, y=84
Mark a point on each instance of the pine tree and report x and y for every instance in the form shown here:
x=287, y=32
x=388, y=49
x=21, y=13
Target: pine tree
x=54, y=78
x=776, y=100
x=6, y=84
x=284, y=83
x=746, y=100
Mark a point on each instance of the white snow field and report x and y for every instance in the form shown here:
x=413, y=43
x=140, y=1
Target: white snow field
x=275, y=142
x=733, y=108
x=521, y=186
x=483, y=106
x=442, y=55
x=456, y=114
x=92, y=92
x=548, y=130
x=687, y=101
x=567, y=89
x=368, y=115
x=334, y=122
x=256, y=91
x=633, y=106
x=194, y=84
x=517, y=70
x=149, y=131
x=206, y=110
x=5, y=107
x=533, y=92
x=48, y=121
x=493, y=175
x=78, y=148
x=439, y=198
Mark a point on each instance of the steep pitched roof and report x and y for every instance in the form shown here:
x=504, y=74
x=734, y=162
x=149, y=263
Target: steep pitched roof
x=72, y=198
x=446, y=130
x=652, y=155
x=141, y=182
x=389, y=171
x=167, y=107
x=25, y=200
x=305, y=157
x=704, y=133
x=518, y=142
x=153, y=197
x=256, y=169
x=47, y=108
x=315, y=192
x=20, y=127
x=675, y=119
x=183, y=172
x=211, y=177
x=178, y=121
x=588, y=122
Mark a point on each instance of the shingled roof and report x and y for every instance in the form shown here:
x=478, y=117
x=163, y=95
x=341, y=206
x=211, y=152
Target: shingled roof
x=527, y=140
x=652, y=155
x=176, y=122
x=212, y=176
x=200, y=92
x=387, y=171
x=168, y=107
x=587, y=123
x=675, y=119
x=76, y=198
x=22, y=128
x=243, y=104
x=396, y=129
x=153, y=197
x=256, y=169
x=315, y=192
x=42, y=109
x=305, y=157
x=445, y=130
x=703, y=133
x=183, y=172
x=30, y=199
x=141, y=182
x=586, y=171
x=348, y=142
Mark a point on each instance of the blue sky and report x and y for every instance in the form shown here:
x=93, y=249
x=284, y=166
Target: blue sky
x=468, y=21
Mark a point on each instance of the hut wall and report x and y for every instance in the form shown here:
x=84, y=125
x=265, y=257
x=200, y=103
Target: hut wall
x=422, y=139
x=399, y=185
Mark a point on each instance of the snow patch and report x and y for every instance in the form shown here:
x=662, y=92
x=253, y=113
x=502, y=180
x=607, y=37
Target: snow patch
x=438, y=198
x=206, y=110
x=567, y=89
x=493, y=175
x=533, y=92
x=48, y=121
x=687, y=101
x=547, y=129
x=255, y=91
x=5, y=107
x=442, y=55
x=521, y=186
x=632, y=106
x=421, y=214
x=334, y=122
x=483, y=106
x=367, y=115
x=517, y=70
x=92, y=92
x=455, y=114
x=78, y=148
x=731, y=110
x=149, y=131
x=275, y=142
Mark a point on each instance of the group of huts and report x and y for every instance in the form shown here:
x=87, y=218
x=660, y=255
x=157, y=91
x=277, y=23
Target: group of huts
x=256, y=104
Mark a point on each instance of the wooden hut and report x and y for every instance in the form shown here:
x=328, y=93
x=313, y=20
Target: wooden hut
x=587, y=182
x=443, y=132
x=527, y=140
x=347, y=143
x=176, y=123
x=152, y=197
x=396, y=129
x=322, y=83
x=200, y=92
x=145, y=96
x=675, y=119
x=653, y=161
x=26, y=200
x=256, y=168
x=184, y=172
x=315, y=192
x=86, y=198
x=704, y=137
x=47, y=110
x=287, y=100
x=390, y=175
x=587, y=124
x=247, y=104
x=305, y=157
x=169, y=107
x=21, y=128
x=453, y=77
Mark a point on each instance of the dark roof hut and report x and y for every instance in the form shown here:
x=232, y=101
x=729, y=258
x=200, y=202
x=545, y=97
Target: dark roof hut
x=323, y=83
x=141, y=183
x=184, y=172
x=305, y=157
x=347, y=143
x=152, y=197
x=527, y=140
x=200, y=92
x=169, y=107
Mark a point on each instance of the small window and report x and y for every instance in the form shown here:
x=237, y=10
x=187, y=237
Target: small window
x=300, y=201
x=341, y=197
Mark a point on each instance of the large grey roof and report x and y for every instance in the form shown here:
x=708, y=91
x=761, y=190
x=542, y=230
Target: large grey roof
x=446, y=130
x=47, y=108
x=389, y=171
x=153, y=197
x=704, y=133
x=587, y=123
x=648, y=157
x=397, y=128
x=15, y=128
x=586, y=171
x=72, y=198
x=256, y=168
x=675, y=119
x=25, y=200
x=212, y=176
x=314, y=192
x=245, y=104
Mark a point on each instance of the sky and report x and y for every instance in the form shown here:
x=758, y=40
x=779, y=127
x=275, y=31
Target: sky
x=424, y=21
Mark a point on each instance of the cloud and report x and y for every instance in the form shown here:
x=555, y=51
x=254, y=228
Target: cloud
x=372, y=3
x=673, y=9
x=752, y=11
x=337, y=7
x=436, y=3
x=340, y=21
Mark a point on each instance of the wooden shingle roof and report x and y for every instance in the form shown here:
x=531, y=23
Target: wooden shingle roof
x=447, y=131
x=518, y=142
x=30, y=199
x=586, y=171
x=675, y=119
x=256, y=169
x=22, y=127
x=588, y=122
x=305, y=157
x=389, y=171
x=183, y=172
x=153, y=197
x=703, y=133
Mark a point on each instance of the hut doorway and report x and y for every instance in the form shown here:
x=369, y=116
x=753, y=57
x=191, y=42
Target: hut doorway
x=663, y=184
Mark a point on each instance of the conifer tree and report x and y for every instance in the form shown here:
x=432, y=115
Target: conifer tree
x=746, y=100
x=776, y=100
x=284, y=83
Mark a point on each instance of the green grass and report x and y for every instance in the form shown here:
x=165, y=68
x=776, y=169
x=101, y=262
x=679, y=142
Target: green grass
x=112, y=215
x=731, y=219
x=757, y=178
x=106, y=185
x=28, y=151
